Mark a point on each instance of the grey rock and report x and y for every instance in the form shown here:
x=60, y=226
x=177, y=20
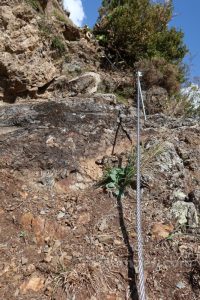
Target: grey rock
x=110, y=98
x=85, y=84
x=179, y=195
x=183, y=153
x=46, y=249
x=180, y=285
x=103, y=226
x=185, y=213
x=60, y=215
x=71, y=68
x=169, y=160
x=89, y=120
x=24, y=260
x=105, y=238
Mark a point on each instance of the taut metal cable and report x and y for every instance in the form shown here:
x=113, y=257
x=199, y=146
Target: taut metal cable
x=140, y=91
x=141, y=288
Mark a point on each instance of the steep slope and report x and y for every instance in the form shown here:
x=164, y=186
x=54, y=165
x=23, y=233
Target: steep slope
x=62, y=235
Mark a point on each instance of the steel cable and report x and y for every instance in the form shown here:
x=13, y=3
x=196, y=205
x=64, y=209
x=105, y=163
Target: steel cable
x=141, y=287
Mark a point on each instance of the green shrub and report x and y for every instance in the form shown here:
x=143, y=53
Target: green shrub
x=138, y=29
x=58, y=45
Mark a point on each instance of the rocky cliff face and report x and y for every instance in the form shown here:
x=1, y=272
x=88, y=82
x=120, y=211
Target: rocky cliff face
x=41, y=49
x=26, y=57
x=61, y=235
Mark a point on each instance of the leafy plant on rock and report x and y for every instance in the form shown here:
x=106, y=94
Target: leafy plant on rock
x=117, y=179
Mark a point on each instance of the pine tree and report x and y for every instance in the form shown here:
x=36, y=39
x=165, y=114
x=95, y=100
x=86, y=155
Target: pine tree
x=139, y=29
x=138, y=32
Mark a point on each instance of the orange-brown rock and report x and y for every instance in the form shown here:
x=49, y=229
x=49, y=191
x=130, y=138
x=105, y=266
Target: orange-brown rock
x=160, y=230
x=35, y=284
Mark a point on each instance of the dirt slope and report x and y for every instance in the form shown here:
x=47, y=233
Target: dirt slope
x=61, y=238
x=62, y=124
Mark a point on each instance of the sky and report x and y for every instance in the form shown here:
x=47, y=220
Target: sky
x=83, y=11
x=187, y=18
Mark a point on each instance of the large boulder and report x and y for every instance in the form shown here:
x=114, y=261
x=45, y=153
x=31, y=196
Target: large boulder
x=71, y=32
x=85, y=84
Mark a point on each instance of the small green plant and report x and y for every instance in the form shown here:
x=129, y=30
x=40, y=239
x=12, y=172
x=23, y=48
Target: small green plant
x=102, y=38
x=22, y=234
x=118, y=178
x=121, y=99
x=35, y=4
x=58, y=45
x=170, y=237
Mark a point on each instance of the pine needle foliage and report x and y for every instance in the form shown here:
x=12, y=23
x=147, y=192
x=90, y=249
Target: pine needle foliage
x=138, y=29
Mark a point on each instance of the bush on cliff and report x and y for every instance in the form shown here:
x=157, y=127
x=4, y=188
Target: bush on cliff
x=139, y=29
x=136, y=30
